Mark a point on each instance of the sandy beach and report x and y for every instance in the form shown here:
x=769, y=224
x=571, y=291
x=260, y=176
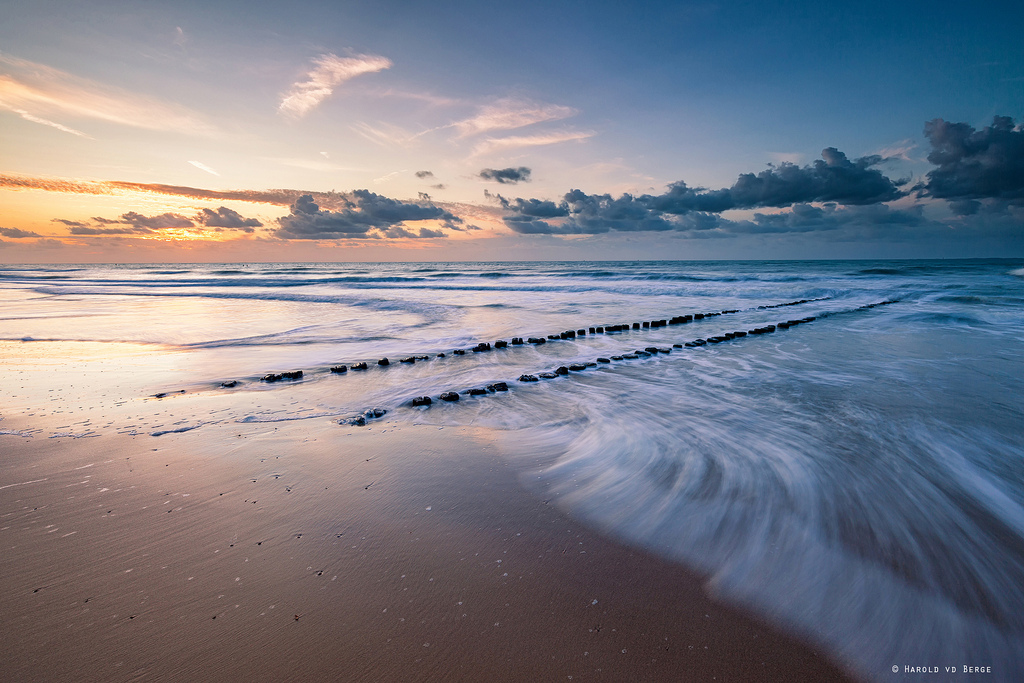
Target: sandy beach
x=313, y=551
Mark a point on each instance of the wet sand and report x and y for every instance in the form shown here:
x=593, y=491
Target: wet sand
x=310, y=551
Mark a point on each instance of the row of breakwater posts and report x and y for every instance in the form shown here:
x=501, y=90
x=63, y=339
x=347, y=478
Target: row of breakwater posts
x=519, y=341
x=497, y=387
x=647, y=352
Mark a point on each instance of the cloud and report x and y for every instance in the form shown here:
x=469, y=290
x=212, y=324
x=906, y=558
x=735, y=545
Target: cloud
x=18, y=233
x=115, y=187
x=422, y=175
x=364, y=215
x=328, y=72
x=509, y=114
x=46, y=122
x=226, y=218
x=507, y=176
x=30, y=90
x=203, y=167
x=498, y=144
x=161, y=222
x=832, y=180
x=975, y=164
x=138, y=224
x=85, y=230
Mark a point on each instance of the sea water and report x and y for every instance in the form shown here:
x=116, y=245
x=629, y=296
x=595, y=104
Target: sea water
x=857, y=479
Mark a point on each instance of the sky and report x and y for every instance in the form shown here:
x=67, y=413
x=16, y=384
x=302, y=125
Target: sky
x=400, y=131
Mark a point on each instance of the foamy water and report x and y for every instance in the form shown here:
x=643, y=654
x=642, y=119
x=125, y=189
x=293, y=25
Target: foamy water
x=857, y=479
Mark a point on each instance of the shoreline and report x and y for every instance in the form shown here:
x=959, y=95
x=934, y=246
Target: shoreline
x=310, y=551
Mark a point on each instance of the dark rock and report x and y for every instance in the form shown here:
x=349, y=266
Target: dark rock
x=645, y=325
x=729, y=335
x=783, y=326
x=547, y=375
x=630, y=356
x=651, y=349
x=477, y=392
x=593, y=330
x=294, y=374
x=665, y=350
x=677, y=346
x=600, y=330
x=339, y=369
x=482, y=346
x=490, y=388
x=376, y=412
x=555, y=336
x=229, y=384
x=517, y=341
x=561, y=370
x=500, y=386
x=500, y=344
x=537, y=340
x=410, y=359
x=700, y=342
x=698, y=316
x=590, y=364
x=422, y=357
x=617, y=357
x=604, y=360
x=527, y=378
x=422, y=401
x=690, y=345
x=740, y=333
x=583, y=333
x=576, y=367
x=450, y=396
x=383, y=362
x=459, y=352
x=636, y=326
x=359, y=366
x=643, y=354
x=440, y=355
x=716, y=340
x=266, y=378
x=358, y=421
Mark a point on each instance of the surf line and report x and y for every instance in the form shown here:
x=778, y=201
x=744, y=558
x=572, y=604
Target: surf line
x=565, y=335
x=566, y=371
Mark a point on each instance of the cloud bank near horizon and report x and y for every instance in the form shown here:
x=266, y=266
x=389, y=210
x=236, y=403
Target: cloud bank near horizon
x=978, y=174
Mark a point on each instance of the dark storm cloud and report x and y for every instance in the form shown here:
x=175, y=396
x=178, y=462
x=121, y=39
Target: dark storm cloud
x=85, y=230
x=507, y=176
x=226, y=218
x=537, y=208
x=18, y=233
x=133, y=223
x=161, y=222
x=832, y=179
x=422, y=175
x=975, y=164
x=362, y=213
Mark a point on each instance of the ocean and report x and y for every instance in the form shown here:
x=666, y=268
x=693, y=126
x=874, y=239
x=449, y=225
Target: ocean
x=855, y=478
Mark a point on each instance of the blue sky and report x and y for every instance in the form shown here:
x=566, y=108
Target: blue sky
x=389, y=115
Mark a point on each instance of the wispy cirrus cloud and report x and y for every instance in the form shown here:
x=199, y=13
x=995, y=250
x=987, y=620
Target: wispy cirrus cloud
x=328, y=72
x=46, y=122
x=511, y=142
x=203, y=167
x=510, y=114
x=33, y=90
